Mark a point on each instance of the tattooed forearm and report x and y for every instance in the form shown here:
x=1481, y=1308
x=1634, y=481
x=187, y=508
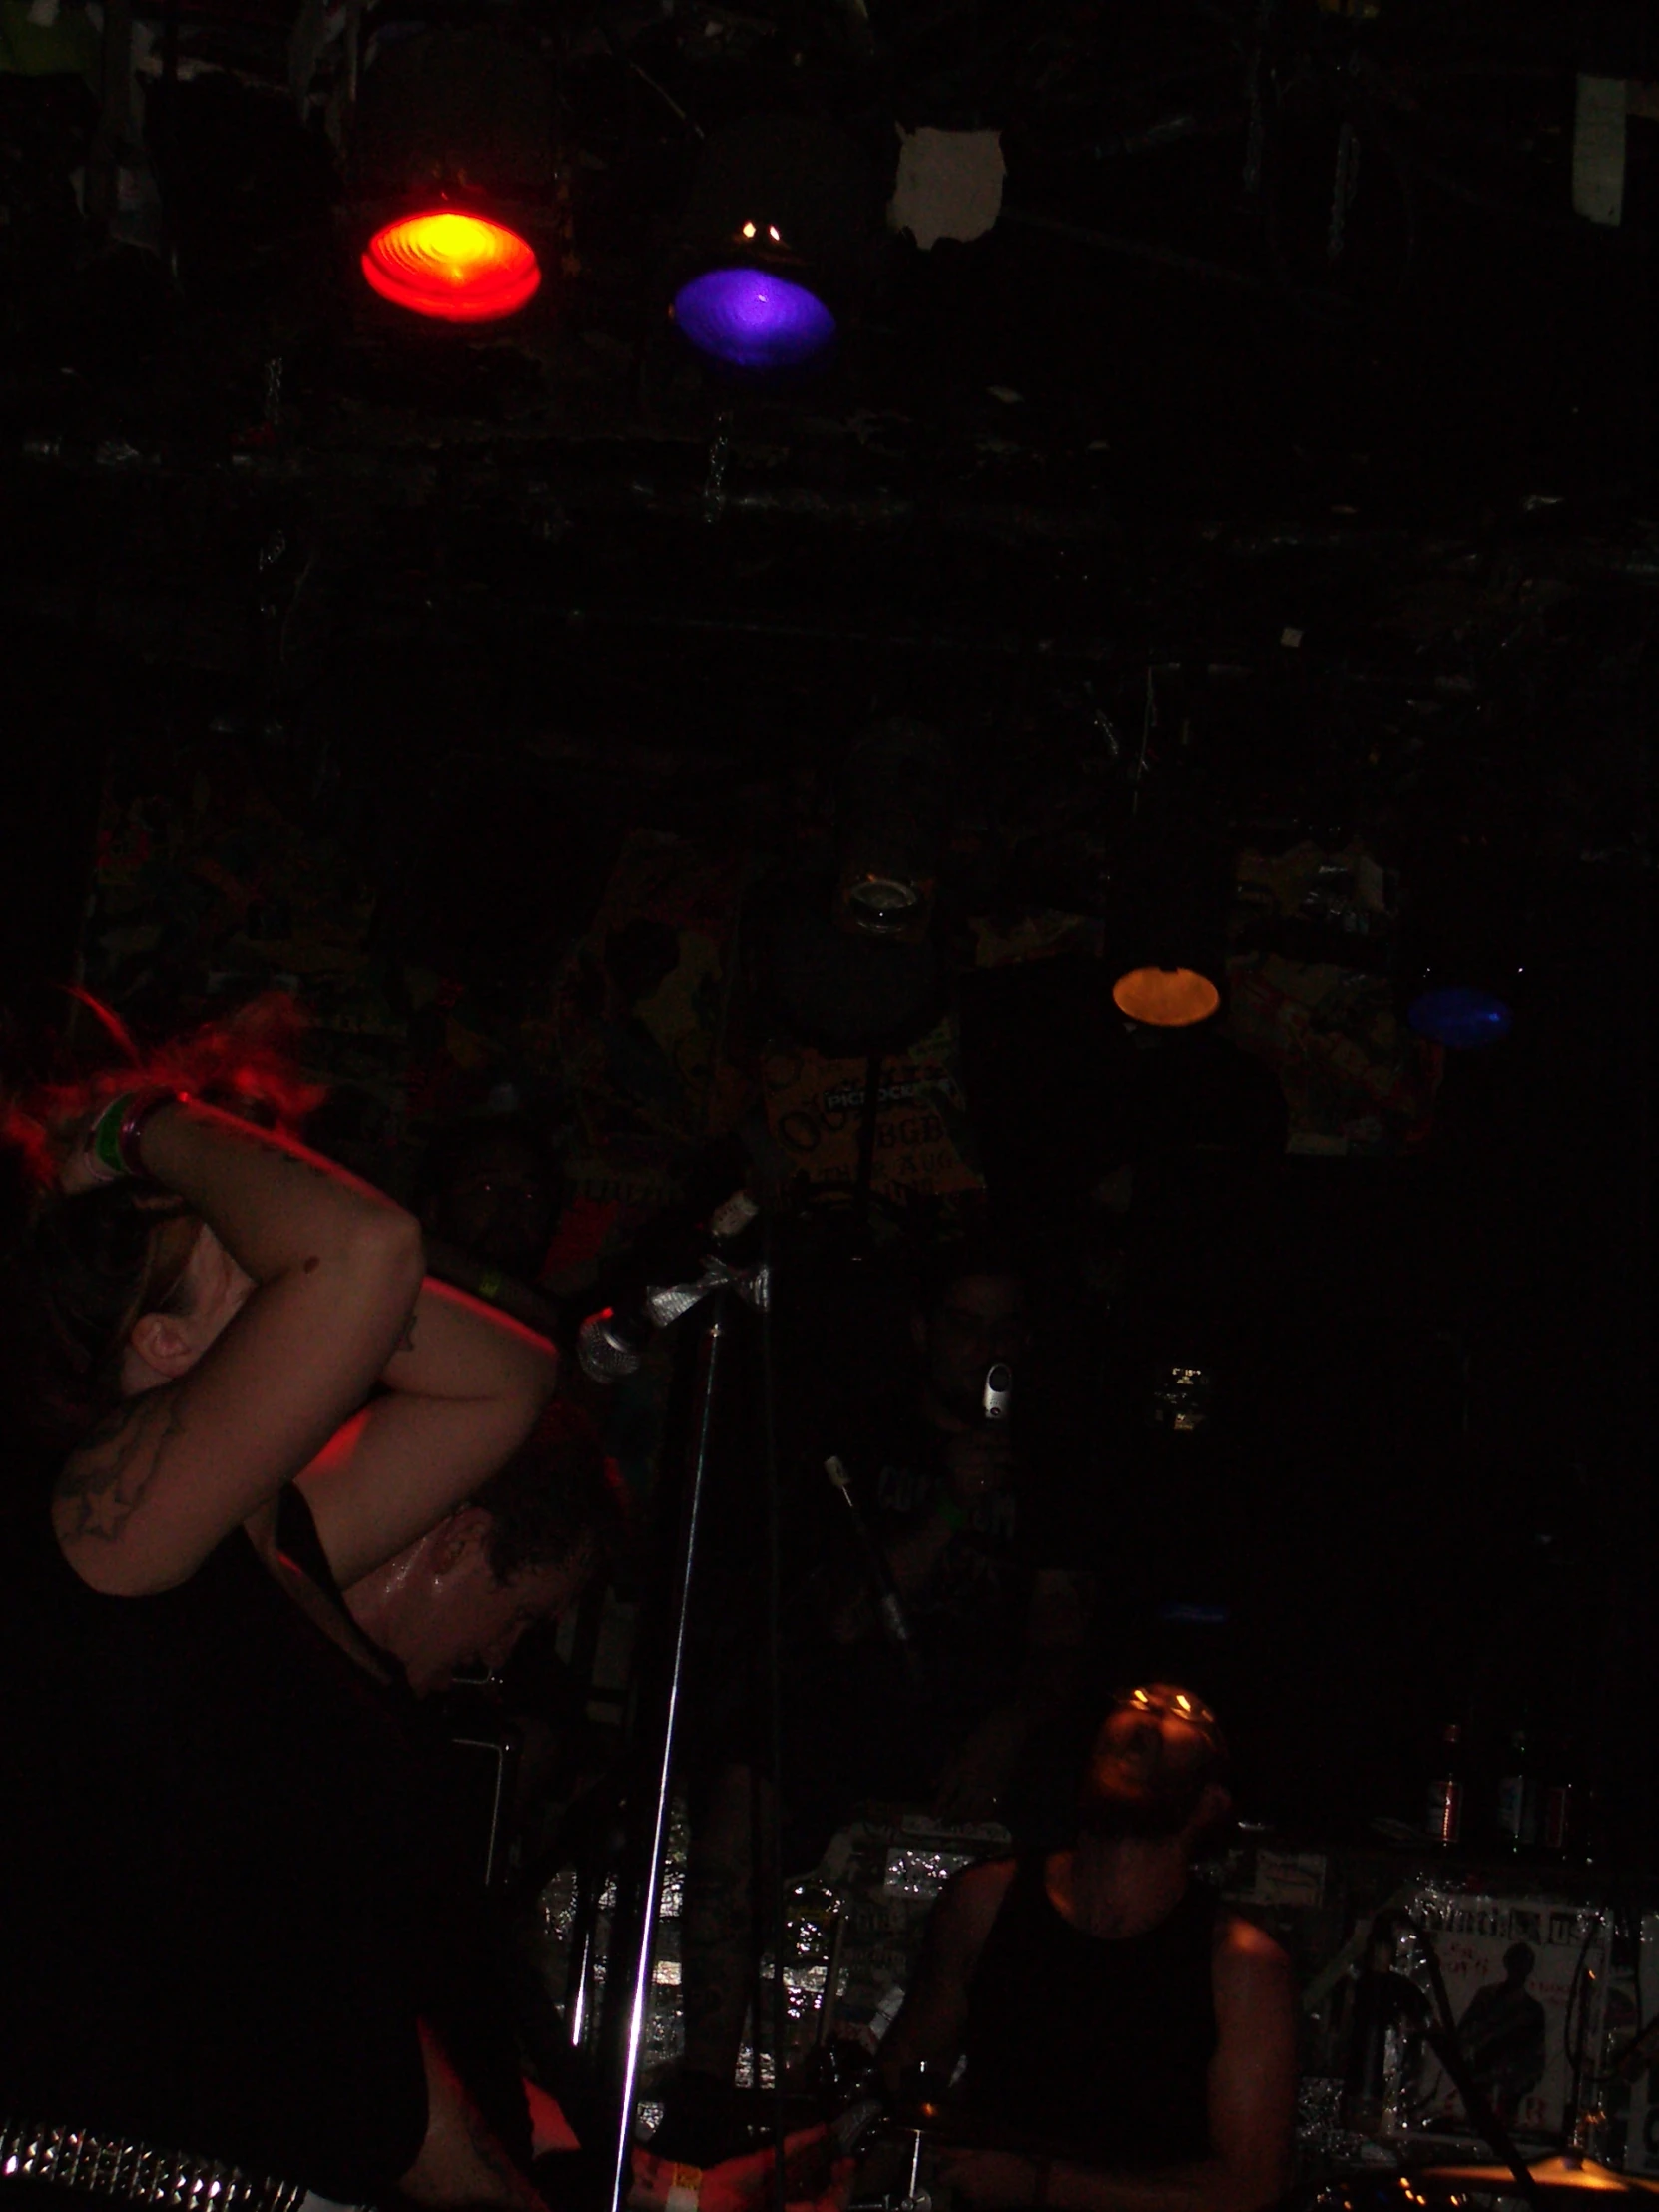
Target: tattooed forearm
x=104, y=1482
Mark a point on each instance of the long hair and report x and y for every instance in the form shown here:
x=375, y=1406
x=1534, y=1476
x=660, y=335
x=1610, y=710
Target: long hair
x=76, y=1273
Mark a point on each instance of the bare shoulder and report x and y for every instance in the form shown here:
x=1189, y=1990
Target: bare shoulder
x=1252, y=1971
x=103, y=1483
x=1242, y=1940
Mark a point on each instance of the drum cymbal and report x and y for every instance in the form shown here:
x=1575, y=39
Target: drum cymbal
x=1559, y=2172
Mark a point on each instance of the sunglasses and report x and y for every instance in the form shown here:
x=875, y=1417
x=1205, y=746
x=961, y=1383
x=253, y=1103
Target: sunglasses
x=1172, y=1704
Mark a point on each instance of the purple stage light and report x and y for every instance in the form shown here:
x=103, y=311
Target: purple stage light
x=750, y=319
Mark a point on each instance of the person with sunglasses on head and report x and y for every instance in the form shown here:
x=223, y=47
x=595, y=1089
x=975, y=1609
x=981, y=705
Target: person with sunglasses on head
x=212, y=1875
x=1127, y=2045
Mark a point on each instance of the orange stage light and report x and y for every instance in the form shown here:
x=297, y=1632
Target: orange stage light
x=1164, y=998
x=457, y=268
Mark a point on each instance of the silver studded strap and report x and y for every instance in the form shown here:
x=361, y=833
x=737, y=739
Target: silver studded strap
x=137, y=2173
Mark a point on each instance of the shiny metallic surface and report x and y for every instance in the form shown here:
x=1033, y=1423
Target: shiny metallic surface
x=644, y=1948
x=605, y=1352
x=105, y=2166
x=921, y=1871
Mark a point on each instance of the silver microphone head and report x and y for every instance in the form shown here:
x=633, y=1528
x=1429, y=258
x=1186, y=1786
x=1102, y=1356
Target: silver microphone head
x=607, y=1348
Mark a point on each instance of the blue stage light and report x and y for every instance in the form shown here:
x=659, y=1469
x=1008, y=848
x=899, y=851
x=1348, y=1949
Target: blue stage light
x=1460, y=1017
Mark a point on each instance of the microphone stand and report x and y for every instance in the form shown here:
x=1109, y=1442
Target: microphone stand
x=774, y=1724
x=648, y=1905
x=1439, y=2029
x=1450, y=2053
x=1441, y=2037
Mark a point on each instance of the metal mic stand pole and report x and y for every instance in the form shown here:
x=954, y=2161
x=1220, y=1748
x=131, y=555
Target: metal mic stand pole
x=1450, y=2053
x=1434, y=2023
x=774, y=1724
x=707, y=1368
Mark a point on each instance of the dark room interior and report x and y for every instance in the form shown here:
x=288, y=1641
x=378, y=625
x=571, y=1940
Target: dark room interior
x=927, y=530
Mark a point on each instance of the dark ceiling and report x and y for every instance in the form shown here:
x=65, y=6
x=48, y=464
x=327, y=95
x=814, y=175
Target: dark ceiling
x=1168, y=326
x=1383, y=484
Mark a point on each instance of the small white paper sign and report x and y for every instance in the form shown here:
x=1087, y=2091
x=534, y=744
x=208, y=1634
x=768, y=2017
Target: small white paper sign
x=1598, y=150
x=1289, y=1878
x=949, y=184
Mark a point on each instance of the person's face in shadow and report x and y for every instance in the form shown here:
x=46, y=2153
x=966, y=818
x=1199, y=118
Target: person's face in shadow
x=1150, y=1775
x=500, y=1206
x=980, y=1320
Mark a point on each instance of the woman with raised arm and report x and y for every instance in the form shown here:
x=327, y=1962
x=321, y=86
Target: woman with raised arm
x=212, y=1902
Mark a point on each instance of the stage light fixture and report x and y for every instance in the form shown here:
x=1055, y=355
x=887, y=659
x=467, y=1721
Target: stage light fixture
x=775, y=244
x=454, y=209
x=1164, y=998
x=1461, y=1016
x=1471, y=931
x=892, y=809
x=453, y=267
x=1165, y=930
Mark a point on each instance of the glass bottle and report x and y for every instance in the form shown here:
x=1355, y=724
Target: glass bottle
x=1443, y=1813
x=1517, y=1793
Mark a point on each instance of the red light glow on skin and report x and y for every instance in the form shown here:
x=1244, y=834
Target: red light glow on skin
x=456, y=268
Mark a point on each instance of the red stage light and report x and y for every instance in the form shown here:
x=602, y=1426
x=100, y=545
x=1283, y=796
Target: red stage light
x=458, y=267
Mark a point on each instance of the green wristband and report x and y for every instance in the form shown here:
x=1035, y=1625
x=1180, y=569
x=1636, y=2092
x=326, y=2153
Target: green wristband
x=951, y=1513
x=106, y=1135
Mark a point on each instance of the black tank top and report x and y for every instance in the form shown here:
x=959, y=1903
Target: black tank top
x=1100, y=2045
x=210, y=1913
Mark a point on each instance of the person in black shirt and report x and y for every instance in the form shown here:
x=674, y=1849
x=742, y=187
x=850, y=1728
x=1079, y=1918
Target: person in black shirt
x=211, y=1869
x=939, y=1722
x=521, y=1552
x=950, y=1498
x=1128, y=2045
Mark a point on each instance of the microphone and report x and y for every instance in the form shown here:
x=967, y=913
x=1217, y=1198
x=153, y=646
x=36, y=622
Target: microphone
x=996, y=1400
x=890, y=1607
x=610, y=1344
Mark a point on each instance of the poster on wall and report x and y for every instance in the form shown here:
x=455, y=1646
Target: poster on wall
x=923, y=1144
x=1641, y=2140
x=1526, y=1976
